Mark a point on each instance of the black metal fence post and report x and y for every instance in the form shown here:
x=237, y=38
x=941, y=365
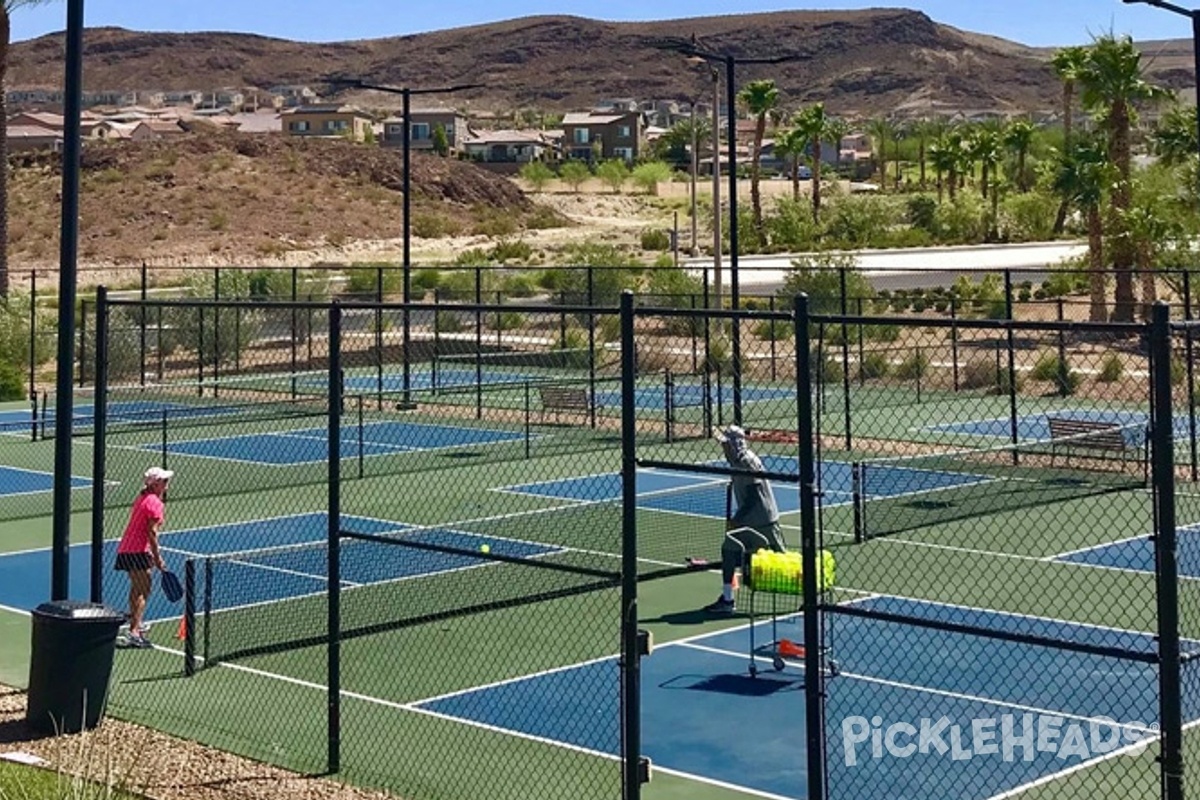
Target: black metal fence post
x=334, y=622
x=83, y=342
x=1163, y=477
x=954, y=341
x=33, y=334
x=1012, y=365
x=814, y=690
x=142, y=322
x=630, y=641
x=99, y=444
x=591, y=279
x=478, y=343
x=842, y=305
x=1191, y=376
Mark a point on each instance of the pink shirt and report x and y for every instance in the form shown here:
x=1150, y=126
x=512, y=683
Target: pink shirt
x=147, y=510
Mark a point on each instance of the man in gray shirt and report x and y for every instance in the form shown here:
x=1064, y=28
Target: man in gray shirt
x=754, y=523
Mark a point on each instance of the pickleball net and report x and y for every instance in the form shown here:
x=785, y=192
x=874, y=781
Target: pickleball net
x=275, y=599
x=895, y=494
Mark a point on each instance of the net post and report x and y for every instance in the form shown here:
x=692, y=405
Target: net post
x=216, y=365
x=334, y=621
x=631, y=772
x=99, y=445
x=208, y=594
x=200, y=351
x=361, y=436
x=814, y=689
x=1163, y=472
x=858, y=500
x=845, y=357
x=33, y=416
x=669, y=404
x=189, y=617
x=295, y=297
x=478, y=342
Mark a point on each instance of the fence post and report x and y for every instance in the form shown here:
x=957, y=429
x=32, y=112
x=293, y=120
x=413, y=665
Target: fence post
x=845, y=356
x=814, y=691
x=82, y=342
x=631, y=749
x=954, y=341
x=591, y=345
x=33, y=334
x=334, y=620
x=99, y=444
x=1191, y=376
x=478, y=342
x=1163, y=476
x=1012, y=364
x=142, y=328
x=216, y=365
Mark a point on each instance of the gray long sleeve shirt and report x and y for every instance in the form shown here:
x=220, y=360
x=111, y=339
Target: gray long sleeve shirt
x=753, y=496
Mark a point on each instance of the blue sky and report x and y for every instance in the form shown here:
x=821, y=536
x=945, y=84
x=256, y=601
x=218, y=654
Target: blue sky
x=1035, y=22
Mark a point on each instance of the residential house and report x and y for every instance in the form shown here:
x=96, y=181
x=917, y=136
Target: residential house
x=508, y=147
x=292, y=96
x=109, y=97
x=617, y=105
x=423, y=123
x=34, y=97
x=24, y=138
x=188, y=99
x=37, y=119
x=591, y=136
x=258, y=122
x=327, y=120
x=164, y=127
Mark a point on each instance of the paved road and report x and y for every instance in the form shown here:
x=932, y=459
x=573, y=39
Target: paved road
x=909, y=268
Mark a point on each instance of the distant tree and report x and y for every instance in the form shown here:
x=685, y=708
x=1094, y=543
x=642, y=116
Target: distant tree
x=792, y=145
x=839, y=129
x=761, y=98
x=7, y=7
x=1068, y=63
x=814, y=128
x=537, y=175
x=946, y=154
x=1174, y=139
x=881, y=131
x=441, y=142
x=613, y=173
x=574, y=173
x=1080, y=178
x=649, y=175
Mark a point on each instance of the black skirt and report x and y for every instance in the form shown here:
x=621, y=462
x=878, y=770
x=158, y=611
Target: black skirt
x=133, y=562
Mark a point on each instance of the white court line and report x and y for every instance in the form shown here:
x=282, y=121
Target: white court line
x=938, y=692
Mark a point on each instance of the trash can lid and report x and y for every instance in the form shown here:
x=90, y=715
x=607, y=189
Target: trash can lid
x=78, y=610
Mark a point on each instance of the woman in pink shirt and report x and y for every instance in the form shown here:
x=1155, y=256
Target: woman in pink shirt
x=138, y=551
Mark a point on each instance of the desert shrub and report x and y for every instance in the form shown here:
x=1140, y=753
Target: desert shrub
x=874, y=365
x=426, y=280
x=982, y=374
x=364, y=279
x=1111, y=369
x=613, y=174
x=12, y=386
x=656, y=239
x=914, y=367
x=1050, y=368
x=1029, y=216
x=826, y=366
x=509, y=250
x=921, y=210
x=791, y=226
x=574, y=173
x=962, y=221
x=448, y=322
x=859, y=220
x=773, y=330
x=504, y=320
x=519, y=284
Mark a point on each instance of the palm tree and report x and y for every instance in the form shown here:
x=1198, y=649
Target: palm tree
x=880, y=130
x=987, y=147
x=1068, y=64
x=814, y=127
x=838, y=130
x=1111, y=81
x=761, y=98
x=925, y=131
x=791, y=144
x=1149, y=229
x=1018, y=137
x=1081, y=175
x=1174, y=139
x=946, y=156
x=6, y=9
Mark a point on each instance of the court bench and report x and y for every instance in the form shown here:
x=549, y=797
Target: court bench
x=568, y=399
x=1095, y=437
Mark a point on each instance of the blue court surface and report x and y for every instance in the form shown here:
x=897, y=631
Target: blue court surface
x=704, y=716
x=1137, y=554
x=704, y=495
x=289, y=549
x=1036, y=427
x=126, y=411
x=311, y=445
x=14, y=481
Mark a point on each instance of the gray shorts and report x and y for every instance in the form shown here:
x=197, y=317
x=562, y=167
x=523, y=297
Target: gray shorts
x=752, y=540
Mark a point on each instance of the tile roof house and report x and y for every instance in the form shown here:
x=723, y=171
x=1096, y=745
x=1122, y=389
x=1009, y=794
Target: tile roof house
x=424, y=122
x=327, y=120
x=23, y=138
x=509, y=146
x=592, y=136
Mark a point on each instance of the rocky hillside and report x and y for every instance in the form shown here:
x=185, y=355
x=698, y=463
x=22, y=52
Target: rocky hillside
x=858, y=62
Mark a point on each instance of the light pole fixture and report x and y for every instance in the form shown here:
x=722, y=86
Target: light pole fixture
x=692, y=49
x=1194, y=16
x=406, y=93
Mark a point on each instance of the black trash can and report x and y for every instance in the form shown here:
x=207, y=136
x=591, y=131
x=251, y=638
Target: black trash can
x=72, y=658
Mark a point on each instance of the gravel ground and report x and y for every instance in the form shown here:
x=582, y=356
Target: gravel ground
x=159, y=766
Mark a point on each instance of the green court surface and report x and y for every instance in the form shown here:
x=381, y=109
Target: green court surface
x=1043, y=566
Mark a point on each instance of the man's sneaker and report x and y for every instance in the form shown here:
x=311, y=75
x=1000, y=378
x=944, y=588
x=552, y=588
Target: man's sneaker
x=138, y=641
x=721, y=606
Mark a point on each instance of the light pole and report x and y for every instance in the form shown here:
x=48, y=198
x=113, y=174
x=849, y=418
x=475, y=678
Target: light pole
x=406, y=264
x=692, y=50
x=1194, y=16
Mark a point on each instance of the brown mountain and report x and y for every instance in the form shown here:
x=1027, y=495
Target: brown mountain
x=858, y=62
